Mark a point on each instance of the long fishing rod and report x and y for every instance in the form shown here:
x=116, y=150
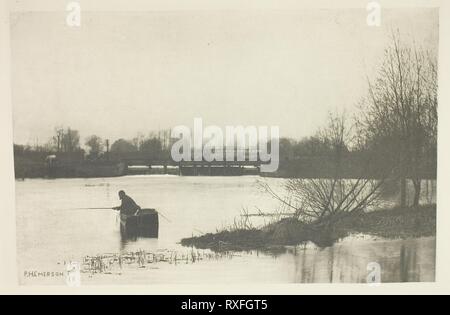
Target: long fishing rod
x=95, y=208
x=159, y=212
x=110, y=208
x=106, y=208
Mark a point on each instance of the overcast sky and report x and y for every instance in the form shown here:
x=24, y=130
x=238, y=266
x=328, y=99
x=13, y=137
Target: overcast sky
x=124, y=73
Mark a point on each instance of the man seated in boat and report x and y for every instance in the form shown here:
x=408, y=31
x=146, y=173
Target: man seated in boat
x=128, y=206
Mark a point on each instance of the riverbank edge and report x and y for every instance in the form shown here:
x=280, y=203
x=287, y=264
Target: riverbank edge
x=393, y=223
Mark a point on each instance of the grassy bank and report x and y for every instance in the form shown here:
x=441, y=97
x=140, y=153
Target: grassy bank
x=389, y=223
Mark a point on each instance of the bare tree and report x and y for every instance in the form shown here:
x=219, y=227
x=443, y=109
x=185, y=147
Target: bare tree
x=328, y=200
x=58, y=138
x=71, y=140
x=337, y=136
x=138, y=140
x=96, y=146
x=66, y=140
x=399, y=117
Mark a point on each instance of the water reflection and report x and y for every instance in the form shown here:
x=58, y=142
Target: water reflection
x=126, y=239
x=346, y=262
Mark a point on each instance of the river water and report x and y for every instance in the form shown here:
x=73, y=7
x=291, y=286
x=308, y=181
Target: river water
x=52, y=231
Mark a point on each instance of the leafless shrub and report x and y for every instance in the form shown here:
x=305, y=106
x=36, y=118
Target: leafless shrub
x=317, y=200
x=329, y=199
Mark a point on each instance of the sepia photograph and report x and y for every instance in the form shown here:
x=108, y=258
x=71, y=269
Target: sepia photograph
x=247, y=146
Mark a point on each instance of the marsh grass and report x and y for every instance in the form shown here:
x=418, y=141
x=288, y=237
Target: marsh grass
x=116, y=263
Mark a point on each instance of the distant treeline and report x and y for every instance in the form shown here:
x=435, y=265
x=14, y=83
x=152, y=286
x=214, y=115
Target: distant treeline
x=64, y=148
x=311, y=157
